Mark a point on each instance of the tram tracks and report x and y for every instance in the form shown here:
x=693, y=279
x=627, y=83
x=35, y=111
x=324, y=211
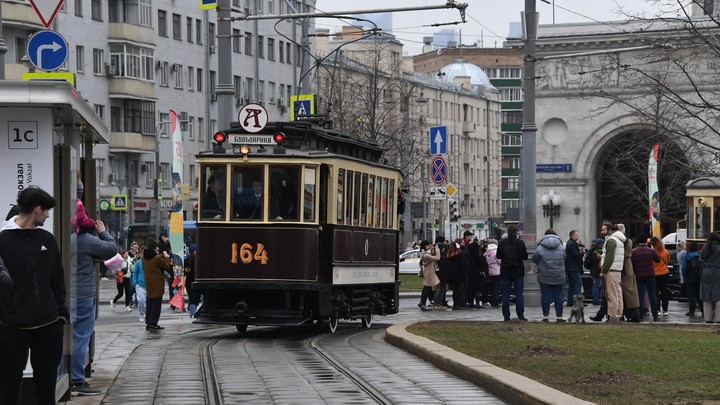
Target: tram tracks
x=213, y=393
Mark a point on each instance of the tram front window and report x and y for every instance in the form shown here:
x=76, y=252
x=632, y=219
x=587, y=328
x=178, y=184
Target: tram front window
x=213, y=199
x=248, y=184
x=284, y=193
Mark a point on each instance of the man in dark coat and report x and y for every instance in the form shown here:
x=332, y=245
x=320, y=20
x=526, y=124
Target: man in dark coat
x=573, y=265
x=512, y=252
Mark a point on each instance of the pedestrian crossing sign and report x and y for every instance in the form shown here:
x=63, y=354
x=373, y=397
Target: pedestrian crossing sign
x=301, y=104
x=119, y=202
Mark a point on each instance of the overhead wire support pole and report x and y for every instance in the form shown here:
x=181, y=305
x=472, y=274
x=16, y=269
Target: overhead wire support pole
x=448, y=5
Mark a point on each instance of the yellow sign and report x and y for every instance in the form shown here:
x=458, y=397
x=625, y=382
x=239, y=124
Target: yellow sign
x=208, y=4
x=51, y=76
x=302, y=104
x=451, y=190
x=120, y=202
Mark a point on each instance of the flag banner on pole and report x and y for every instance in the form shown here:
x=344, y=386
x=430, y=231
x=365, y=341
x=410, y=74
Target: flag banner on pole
x=653, y=193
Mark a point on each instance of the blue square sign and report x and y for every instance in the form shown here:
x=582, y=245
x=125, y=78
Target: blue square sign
x=438, y=140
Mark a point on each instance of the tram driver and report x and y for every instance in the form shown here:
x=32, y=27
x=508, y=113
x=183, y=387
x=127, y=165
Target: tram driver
x=250, y=203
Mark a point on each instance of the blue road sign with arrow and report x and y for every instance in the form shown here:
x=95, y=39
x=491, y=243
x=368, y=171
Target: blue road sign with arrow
x=47, y=50
x=438, y=140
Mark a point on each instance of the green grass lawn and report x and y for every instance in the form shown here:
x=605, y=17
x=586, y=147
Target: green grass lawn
x=607, y=364
x=410, y=282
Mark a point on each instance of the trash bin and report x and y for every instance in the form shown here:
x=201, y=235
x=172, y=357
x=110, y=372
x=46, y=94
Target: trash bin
x=531, y=286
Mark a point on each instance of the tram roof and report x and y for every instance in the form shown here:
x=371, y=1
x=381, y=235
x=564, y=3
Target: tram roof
x=704, y=182
x=69, y=107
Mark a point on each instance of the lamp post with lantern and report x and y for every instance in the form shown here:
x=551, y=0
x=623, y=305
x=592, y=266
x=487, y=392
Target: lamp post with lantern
x=551, y=203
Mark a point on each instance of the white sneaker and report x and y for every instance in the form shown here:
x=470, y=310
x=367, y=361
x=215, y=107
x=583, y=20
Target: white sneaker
x=112, y=304
x=141, y=319
x=128, y=309
x=664, y=313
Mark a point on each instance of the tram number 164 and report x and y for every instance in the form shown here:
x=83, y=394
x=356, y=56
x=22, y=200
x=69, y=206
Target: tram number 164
x=246, y=254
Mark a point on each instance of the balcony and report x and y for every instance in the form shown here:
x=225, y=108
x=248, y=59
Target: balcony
x=20, y=14
x=130, y=32
x=125, y=87
x=131, y=142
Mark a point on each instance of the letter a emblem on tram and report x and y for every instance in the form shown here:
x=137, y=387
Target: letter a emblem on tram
x=253, y=117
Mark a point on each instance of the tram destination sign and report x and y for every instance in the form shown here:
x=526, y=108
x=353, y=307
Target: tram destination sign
x=252, y=140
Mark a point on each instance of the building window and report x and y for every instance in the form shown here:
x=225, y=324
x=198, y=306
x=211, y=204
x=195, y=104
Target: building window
x=271, y=92
x=165, y=74
x=271, y=49
x=96, y=7
x=271, y=7
x=164, y=129
x=133, y=61
x=191, y=180
x=211, y=34
x=249, y=83
x=20, y=49
x=511, y=163
x=261, y=91
x=511, y=184
x=511, y=140
x=281, y=54
x=248, y=43
x=100, y=169
x=80, y=58
x=260, y=6
x=177, y=29
x=191, y=128
x=98, y=61
x=236, y=40
x=165, y=174
x=198, y=32
x=140, y=116
x=288, y=53
x=78, y=8
x=162, y=23
x=260, y=44
x=191, y=78
x=145, y=13
x=281, y=93
x=508, y=73
x=199, y=81
x=116, y=119
x=201, y=129
x=212, y=84
x=188, y=29
x=178, y=71
x=100, y=111
x=511, y=117
x=149, y=173
x=511, y=94
x=237, y=85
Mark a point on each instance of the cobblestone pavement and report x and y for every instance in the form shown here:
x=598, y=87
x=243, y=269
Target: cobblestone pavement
x=275, y=365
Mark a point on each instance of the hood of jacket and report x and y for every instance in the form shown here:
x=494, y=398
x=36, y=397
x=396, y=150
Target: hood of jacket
x=10, y=224
x=551, y=242
x=619, y=235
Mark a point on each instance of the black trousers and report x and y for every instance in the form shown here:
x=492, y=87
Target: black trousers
x=663, y=294
x=124, y=288
x=152, y=314
x=45, y=345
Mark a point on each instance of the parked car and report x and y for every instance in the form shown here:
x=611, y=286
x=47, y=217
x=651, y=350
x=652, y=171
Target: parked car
x=410, y=262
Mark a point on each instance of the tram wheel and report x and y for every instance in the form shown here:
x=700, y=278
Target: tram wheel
x=330, y=324
x=241, y=327
x=367, y=321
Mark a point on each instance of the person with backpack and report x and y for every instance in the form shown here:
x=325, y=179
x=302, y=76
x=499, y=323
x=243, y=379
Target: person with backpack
x=690, y=271
x=511, y=253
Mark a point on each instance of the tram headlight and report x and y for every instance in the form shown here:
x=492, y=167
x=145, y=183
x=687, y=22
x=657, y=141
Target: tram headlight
x=244, y=150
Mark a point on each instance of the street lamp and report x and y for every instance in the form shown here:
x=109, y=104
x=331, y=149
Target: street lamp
x=551, y=203
x=405, y=110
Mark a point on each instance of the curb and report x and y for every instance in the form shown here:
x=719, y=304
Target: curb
x=509, y=386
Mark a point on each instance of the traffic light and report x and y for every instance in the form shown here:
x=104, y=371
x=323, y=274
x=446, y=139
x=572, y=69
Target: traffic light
x=402, y=225
x=219, y=138
x=453, y=212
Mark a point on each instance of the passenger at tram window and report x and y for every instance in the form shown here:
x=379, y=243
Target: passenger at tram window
x=249, y=204
x=211, y=206
x=284, y=198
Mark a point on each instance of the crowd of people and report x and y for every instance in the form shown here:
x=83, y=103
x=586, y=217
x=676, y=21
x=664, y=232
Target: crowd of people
x=33, y=292
x=630, y=275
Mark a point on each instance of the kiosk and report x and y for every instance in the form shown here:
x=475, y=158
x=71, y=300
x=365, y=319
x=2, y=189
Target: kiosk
x=47, y=135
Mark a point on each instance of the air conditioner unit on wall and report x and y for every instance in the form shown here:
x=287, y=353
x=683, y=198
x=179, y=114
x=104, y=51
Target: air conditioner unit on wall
x=158, y=64
x=175, y=67
x=239, y=101
x=112, y=178
x=281, y=102
x=212, y=49
x=184, y=116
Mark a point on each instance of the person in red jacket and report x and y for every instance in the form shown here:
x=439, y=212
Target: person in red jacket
x=643, y=260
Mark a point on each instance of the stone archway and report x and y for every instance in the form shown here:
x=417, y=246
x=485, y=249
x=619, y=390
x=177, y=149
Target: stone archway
x=621, y=178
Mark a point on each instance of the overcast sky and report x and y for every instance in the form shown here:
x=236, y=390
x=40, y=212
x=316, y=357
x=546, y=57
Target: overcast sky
x=487, y=20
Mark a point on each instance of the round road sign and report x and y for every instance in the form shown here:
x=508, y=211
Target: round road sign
x=104, y=205
x=438, y=170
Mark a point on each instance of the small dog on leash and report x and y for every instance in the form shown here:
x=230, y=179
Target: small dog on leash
x=578, y=309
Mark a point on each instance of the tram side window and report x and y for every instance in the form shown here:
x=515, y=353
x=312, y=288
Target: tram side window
x=340, y=196
x=370, y=200
x=356, y=200
x=248, y=193
x=383, y=205
x=391, y=204
x=309, y=195
x=212, y=203
x=349, y=197
x=284, y=193
x=376, y=202
x=702, y=224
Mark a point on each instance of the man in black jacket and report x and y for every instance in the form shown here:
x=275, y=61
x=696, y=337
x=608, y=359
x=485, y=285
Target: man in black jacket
x=32, y=315
x=512, y=252
x=574, y=265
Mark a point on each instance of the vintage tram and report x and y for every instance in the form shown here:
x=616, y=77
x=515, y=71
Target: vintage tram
x=297, y=225
x=703, y=208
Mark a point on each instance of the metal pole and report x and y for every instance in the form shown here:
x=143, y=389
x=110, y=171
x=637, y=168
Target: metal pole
x=405, y=109
x=528, y=219
x=425, y=207
x=3, y=48
x=158, y=183
x=225, y=90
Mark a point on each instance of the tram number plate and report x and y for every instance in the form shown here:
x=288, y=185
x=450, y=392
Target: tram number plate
x=246, y=255
x=252, y=140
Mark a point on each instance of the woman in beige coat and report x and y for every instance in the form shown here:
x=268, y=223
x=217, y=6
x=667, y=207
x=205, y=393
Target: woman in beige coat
x=429, y=258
